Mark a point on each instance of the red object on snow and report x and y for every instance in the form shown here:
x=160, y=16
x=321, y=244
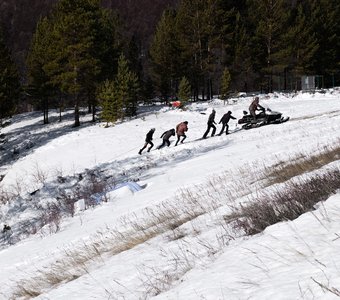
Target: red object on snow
x=176, y=104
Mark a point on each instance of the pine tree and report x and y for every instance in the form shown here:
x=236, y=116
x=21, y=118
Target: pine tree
x=39, y=83
x=73, y=65
x=165, y=55
x=133, y=55
x=225, y=83
x=301, y=45
x=118, y=97
x=133, y=95
x=9, y=82
x=107, y=96
x=199, y=25
x=242, y=60
x=184, y=91
x=324, y=22
x=269, y=18
x=84, y=44
x=127, y=87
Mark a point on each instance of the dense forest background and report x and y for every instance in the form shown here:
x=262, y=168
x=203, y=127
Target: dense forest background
x=117, y=53
x=19, y=20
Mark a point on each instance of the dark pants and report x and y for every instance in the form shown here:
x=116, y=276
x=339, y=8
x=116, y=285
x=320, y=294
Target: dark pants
x=178, y=138
x=225, y=125
x=165, y=142
x=145, y=145
x=210, y=125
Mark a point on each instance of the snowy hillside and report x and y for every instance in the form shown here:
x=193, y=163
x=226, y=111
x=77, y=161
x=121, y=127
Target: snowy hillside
x=167, y=224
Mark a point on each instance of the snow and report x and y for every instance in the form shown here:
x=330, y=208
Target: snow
x=141, y=258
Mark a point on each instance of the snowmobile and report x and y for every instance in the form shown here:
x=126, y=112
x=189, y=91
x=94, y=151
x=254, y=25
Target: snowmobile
x=265, y=117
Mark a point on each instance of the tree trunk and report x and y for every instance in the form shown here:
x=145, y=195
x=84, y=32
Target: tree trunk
x=94, y=113
x=45, y=110
x=60, y=107
x=76, y=113
x=210, y=87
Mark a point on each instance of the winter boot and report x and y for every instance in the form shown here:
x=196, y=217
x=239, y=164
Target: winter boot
x=140, y=152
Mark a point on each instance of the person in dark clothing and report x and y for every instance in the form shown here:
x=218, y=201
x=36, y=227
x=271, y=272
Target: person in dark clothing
x=166, y=136
x=181, y=128
x=6, y=228
x=148, y=140
x=224, y=120
x=211, y=122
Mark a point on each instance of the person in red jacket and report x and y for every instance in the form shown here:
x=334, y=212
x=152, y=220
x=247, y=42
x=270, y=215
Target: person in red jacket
x=181, y=128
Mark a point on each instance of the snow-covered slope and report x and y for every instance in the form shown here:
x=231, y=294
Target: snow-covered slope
x=131, y=247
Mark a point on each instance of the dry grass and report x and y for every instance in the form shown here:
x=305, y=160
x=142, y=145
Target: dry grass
x=286, y=203
x=112, y=242
x=188, y=205
x=303, y=163
x=324, y=287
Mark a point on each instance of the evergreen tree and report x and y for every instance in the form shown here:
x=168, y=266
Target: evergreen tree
x=301, y=45
x=106, y=48
x=73, y=66
x=147, y=90
x=269, y=18
x=241, y=61
x=127, y=88
x=184, y=91
x=9, y=82
x=225, y=84
x=107, y=96
x=133, y=55
x=325, y=23
x=39, y=84
x=83, y=45
x=165, y=55
x=199, y=24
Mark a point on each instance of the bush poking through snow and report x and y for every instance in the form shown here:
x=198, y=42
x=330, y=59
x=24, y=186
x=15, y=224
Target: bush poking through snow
x=6, y=197
x=304, y=162
x=288, y=203
x=51, y=216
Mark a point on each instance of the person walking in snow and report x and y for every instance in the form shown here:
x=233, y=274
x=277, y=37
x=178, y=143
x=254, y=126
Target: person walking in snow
x=224, y=120
x=166, y=136
x=255, y=106
x=211, y=122
x=148, y=140
x=181, y=128
x=6, y=228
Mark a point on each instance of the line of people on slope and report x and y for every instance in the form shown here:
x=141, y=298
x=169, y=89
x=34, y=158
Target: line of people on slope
x=182, y=127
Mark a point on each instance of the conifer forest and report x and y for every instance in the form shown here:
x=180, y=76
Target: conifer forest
x=112, y=55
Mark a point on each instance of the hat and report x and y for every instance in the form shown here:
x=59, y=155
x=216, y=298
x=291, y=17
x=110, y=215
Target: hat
x=153, y=129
